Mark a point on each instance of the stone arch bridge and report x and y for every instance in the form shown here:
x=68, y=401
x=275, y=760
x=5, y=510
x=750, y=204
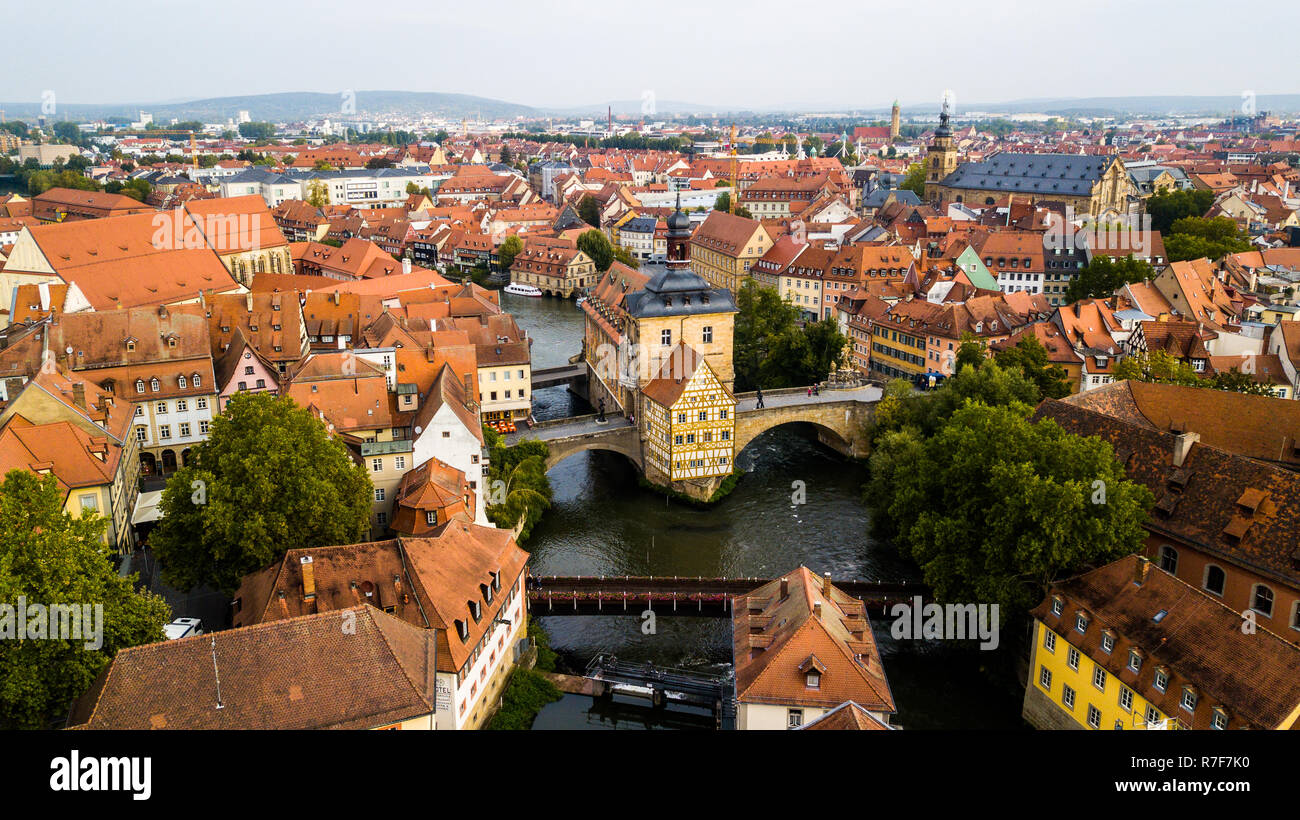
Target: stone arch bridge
x=840, y=417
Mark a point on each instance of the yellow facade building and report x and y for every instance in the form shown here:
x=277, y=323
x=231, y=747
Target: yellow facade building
x=725, y=247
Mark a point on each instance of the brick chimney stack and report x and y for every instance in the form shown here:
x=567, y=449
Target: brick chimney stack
x=826, y=584
x=308, y=579
x=79, y=394
x=1141, y=567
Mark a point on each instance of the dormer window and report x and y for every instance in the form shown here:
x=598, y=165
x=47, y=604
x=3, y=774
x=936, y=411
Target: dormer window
x=139, y=385
x=496, y=581
x=130, y=345
x=814, y=680
x=487, y=592
x=194, y=380
x=1081, y=622
x=462, y=630
x=153, y=385
x=171, y=341
x=476, y=610
x=1058, y=604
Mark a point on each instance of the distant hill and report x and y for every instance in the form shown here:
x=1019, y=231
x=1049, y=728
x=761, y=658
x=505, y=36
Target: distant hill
x=288, y=107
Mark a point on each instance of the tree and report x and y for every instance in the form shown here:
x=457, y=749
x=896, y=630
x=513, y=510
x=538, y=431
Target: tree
x=517, y=482
x=915, y=179
x=589, y=210
x=994, y=508
x=1031, y=357
x=1195, y=237
x=47, y=558
x=318, y=193
x=379, y=162
x=509, y=249
x=772, y=350
x=1166, y=207
x=1156, y=366
x=622, y=254
x=256, y=130
x=1103, y=276
x=723, y=203
x=268, y=479
x=970, y=352
x=595, y=244
x=506, y=156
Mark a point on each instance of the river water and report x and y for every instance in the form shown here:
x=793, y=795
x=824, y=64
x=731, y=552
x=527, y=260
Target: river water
x=603, y=523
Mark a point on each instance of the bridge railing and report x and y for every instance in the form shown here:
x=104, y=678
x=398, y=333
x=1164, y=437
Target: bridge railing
x=542, y=425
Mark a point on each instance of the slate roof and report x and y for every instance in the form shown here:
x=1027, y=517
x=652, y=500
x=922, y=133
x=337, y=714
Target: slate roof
x=1058, y=174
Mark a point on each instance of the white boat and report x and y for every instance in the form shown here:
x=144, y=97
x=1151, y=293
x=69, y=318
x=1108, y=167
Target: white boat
x=522, y=290
x=581, y=299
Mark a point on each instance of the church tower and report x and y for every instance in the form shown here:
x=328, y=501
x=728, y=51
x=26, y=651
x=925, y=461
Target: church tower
x=940, y=157
x=894, y=115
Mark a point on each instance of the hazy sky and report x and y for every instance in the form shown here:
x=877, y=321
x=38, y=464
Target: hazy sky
x=758, y=53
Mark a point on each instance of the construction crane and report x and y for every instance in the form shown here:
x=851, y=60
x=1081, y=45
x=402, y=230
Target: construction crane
x=194, y=152
x=735, y=191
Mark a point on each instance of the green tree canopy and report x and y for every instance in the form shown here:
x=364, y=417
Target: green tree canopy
x=1165, y=207
x=915, y=179
x=595, y=244
x=1194, y=237
x=256, y=130
x=49, y=557
x=268, y=479
x=509, y=249
x=1104, y=275
x=1031, y=357
x=994, y=507
x=589, y=210
x=518, y=486
x=772, y=350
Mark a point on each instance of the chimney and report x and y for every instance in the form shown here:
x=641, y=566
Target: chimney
x=337, y=297
x=826, y=584
x=1141, y=567
x=79, y=394
x=1183, y=445
x=406, y=265
x=248, y=301
x=308, y=579
x=785, y=588
x=284, y=605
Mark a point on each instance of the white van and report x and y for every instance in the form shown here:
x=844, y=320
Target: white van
x=183, y=628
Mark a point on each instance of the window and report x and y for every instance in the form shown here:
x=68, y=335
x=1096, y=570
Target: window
x=181, y=382
x=200, y=404
x=1134, y=661
x=794, y=717
x=1220, y=720
x=1262, y=601
x=1081, y=622
x=1072, y=659
x=1169, y=559
x=1049, y=640
x=160, y=408
x=1045, y=678
x=665, y=337
x=185, y=429
x=1189, y=699
x=376, y=465
x=1107, y=643
x=708, y=334
x=1099, y=678
x=722, y=414
x=399, y=462
x=1161, y=681
x=1094, y=716
x=1152, y=716
x=195, y=380
x=704, y=415
x=139, y=385
x=381, y=518
x=90, y=502
x=814, y=680
x=141, y=434
x=379, y=493
x=182, y=405
x=203, y=427
x=1067, y=697
x=153, y=385
x=1057, y=605
x=1215, y=580
x=431, y=517
x=1126, y=698
x=165, y=431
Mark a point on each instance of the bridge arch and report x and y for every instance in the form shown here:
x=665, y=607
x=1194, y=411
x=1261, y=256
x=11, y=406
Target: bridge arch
x=840, y=425
x=562, y=449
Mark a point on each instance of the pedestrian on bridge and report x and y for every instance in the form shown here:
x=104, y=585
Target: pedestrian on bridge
x=758, y=394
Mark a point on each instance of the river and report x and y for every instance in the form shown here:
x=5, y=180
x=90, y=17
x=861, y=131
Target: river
x=604, y=523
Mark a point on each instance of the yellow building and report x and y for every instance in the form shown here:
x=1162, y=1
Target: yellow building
x=1124, y=647
x=724, y=248
x=688, y=419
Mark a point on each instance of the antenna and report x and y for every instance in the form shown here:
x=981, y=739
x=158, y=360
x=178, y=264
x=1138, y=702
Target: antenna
x=215, y=672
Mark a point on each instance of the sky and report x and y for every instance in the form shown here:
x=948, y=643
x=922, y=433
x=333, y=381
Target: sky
x=829, y=55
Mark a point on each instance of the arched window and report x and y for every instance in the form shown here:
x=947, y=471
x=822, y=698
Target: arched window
x=1169, y=559
x=1215, y=580
x=195, y=380
x=139, y=385
x=1261, y=600
x=181, y=382
x=153, y=385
